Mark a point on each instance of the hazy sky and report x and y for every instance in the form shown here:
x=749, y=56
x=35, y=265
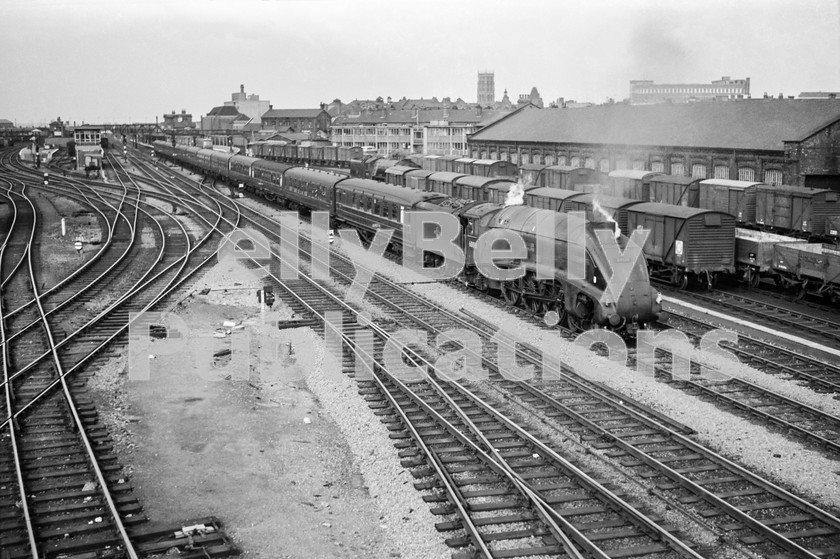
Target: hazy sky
x=115, y=61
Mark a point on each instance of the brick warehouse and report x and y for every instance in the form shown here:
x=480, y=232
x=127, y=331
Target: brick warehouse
x=777, y=141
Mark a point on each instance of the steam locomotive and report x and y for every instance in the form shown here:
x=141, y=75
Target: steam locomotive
x=368, y=206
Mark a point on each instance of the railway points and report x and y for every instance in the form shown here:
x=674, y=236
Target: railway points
x=498, y=459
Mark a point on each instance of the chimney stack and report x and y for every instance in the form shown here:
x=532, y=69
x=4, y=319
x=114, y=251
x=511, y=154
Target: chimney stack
x=242, y=88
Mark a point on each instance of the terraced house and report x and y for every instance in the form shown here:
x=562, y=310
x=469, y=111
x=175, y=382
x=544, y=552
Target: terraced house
x=427, y=131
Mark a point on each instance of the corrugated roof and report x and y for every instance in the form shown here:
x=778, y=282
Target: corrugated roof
x=753, y=124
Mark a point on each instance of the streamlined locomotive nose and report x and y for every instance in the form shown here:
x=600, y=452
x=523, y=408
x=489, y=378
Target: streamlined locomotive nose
x=640, y=301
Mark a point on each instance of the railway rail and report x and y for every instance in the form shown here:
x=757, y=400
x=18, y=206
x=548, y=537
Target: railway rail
x=63, y=491
x=759, y=515
x=795, y=321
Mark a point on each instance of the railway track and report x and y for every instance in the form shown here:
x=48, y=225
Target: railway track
x=63, y=492
x=758, y=515
x=769, y=357
x=769, y=314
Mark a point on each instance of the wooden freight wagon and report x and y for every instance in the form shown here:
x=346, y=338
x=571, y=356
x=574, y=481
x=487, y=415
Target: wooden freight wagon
x=602, y=208
x=464, y=165
x=446, y=163
x=471, y=187
x=565, y=177
x=795, y=209
x=533, y=174
x=396, y=174
x=630, y=183
x=497, y=192
x=737, y=198
x=376, y=171
x=547, y=198
x=443, y=183
x=832, y=226
x=809, y=268
x=754, y=253
x=329, y=155
x=675, y=190
x=494, y=168
x=417, y=179
x=430, y=162
x=345, y=154
x=685, y=243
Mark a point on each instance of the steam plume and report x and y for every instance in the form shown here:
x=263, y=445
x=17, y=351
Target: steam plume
x=515, y=195
x=605, y=215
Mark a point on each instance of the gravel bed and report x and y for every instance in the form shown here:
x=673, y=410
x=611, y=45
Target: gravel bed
x=773, y=455
x=405, y=516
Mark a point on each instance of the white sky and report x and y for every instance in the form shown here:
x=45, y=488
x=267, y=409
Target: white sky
x=115, y=61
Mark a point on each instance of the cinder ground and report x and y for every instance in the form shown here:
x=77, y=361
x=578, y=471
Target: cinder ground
x=245, y=438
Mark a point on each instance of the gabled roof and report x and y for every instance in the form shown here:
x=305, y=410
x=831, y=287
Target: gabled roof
x=752, y=124
x=223, y=110
x=293, y=113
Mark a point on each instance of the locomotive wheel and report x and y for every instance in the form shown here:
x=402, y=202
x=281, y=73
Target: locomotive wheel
x=754, y=278
x=576, y=323
x=682, y=281
x=536, y=306
x=511, y=297
x=531, y=285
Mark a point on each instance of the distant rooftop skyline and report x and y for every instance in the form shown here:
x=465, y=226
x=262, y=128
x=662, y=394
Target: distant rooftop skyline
x=139, y=59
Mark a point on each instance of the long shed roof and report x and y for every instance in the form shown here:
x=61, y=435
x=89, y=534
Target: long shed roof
x=751, y=124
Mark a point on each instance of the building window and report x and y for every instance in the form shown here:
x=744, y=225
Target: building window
x=678, y=169
x=589, y=163
x=620, y=164
x=721, y=171
x=537, y=158
x=638, y=165
x=525, y=159
x=561, y=159
x=604, y=165
x=549, y=159
x=746, y=174
x=575, y=162
x=698, y=171
x=657, y=167
x=773, y=177
x=514, y=158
